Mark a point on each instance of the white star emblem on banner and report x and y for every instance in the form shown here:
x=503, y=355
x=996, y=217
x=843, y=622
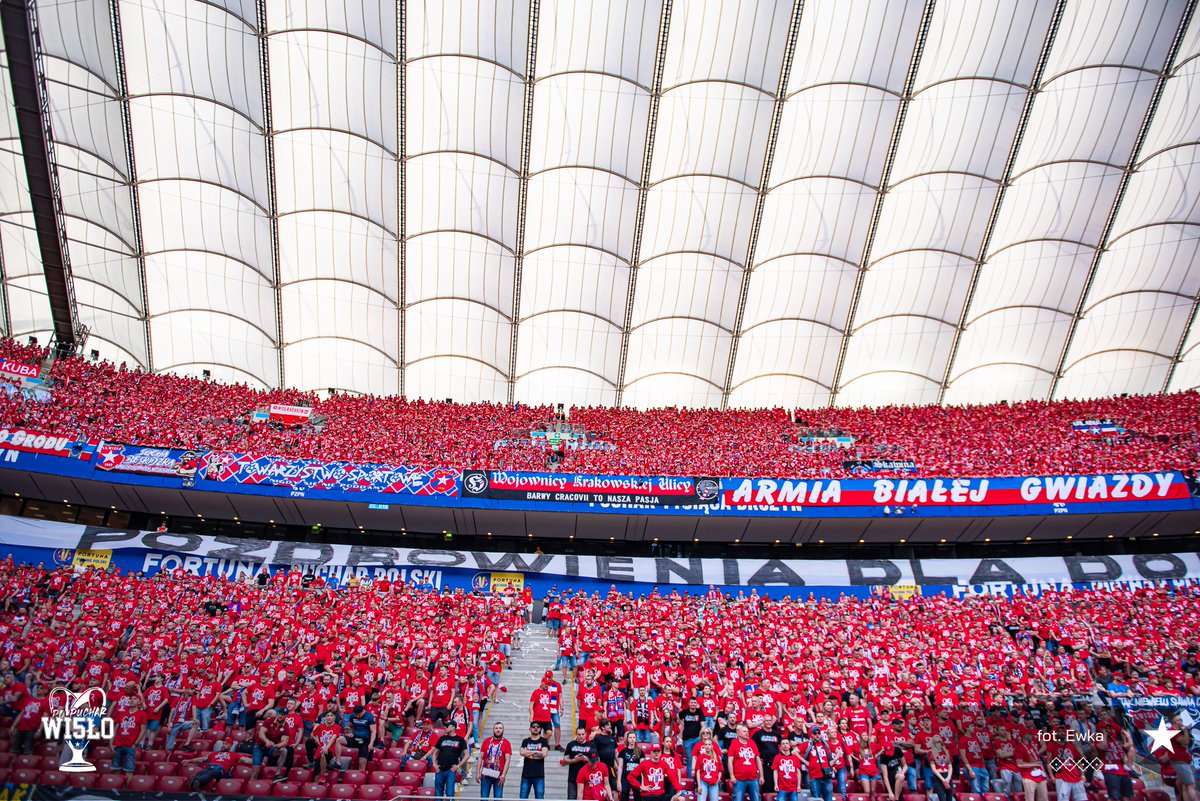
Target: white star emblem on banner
x=1160, y=737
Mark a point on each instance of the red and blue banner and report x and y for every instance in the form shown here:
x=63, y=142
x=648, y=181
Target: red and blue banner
x=309, y=474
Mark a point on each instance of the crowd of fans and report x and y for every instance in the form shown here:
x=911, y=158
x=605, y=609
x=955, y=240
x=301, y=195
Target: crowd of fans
x=209, y=679
x=291, y=687
x=931, y=695
x=98, y=399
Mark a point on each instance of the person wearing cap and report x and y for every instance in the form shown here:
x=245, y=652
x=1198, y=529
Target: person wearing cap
x=541, y=704
x=593, y=780
x=942, y=768
x=820, y=764
x=449, y=754
x=653, y=778
x=745, y=766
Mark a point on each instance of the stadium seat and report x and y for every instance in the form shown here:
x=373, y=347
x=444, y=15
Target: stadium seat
x=370, y=792
x=342, y=790
x=409, y=778
x=155, y=755
x=425, y=792
x=83, y=780
x=383, y=777
x=53, y=778
x=300, y=775
x=163, y=768
x=257, y=787
x=27, y=762
x=6, y=758
x=48, y=749
x=313, y=790
x=230, y=786
x=1158, y=795
x=188, y=771
x=995, y=797
x=289, y=788
x=858, y=797
x=143, y=783
x=242, y=772
x=171, y=784
x=101, y=753
x=972, y=797
x=25, y=775
x=396, y=753
x=354, y=777
x=111, y=781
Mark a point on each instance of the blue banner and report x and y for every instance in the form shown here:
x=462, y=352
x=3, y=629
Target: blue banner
x=354, y=482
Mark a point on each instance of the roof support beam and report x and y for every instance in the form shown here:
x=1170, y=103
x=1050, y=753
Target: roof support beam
x=1183, y=338
x=264, y=59
x=523, y=192
x=906, y=96
x=1035, y=87
x=402, y=179
x=1131, y=167
x=4, y=309
x=760, y=202
x=114, y=10
x=28, y=76
x=639, y=224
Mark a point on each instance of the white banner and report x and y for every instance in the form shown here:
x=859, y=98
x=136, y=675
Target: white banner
x=968, y=575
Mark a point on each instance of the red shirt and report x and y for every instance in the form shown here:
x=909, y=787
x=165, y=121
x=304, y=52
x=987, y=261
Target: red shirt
x=708, y=766
x=126, y=726
x=745, y=759
x=787, y=768
x=542, y=701
x=594, y=780
x=31, y=714
x=651, y=776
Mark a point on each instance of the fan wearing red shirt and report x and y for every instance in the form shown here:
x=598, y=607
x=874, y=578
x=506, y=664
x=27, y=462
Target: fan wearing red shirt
x=1068, y=779
x=787, y=767
x=319, y=747
x=220, y=765
x=28, y=720
x=441, y=693
x=653, y=778
x=495, y=756
x=593, y=780
x=745, y=766
x=128, y=728
x=1033, y=773
x=706, y=767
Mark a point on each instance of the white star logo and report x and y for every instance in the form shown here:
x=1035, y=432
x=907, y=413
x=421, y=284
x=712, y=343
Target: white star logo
x=1160, y=737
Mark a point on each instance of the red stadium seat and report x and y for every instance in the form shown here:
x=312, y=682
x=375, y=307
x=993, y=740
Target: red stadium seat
x=155, y=755
x=1158, y=795
x=396, y=791
x=257, y=787
x=53, y=778
x=355, y=777
x=48, y=750
x=230, y=786
x=25, y=775
x=143, y=783
x=425, y=792
x=300, y=775
x=408, y=778
x=995, y=797
x=242, y=772
x=289, y=789
x=370, y=792
x=6, y=758
x=27, y=761
x=313, y=790
x=111, y=781
x=188, y=771
x=396, y=753
x=343, y=790
x=163, y=768
x=858, y=797
x=101, y=753
x=383, y=777
x=84, y=780
x=171, y=784
x=972, y=797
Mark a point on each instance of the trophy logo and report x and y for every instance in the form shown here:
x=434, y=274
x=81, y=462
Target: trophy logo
x=78, y=718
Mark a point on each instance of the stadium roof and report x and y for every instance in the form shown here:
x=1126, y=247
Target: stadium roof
x=649, y=203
